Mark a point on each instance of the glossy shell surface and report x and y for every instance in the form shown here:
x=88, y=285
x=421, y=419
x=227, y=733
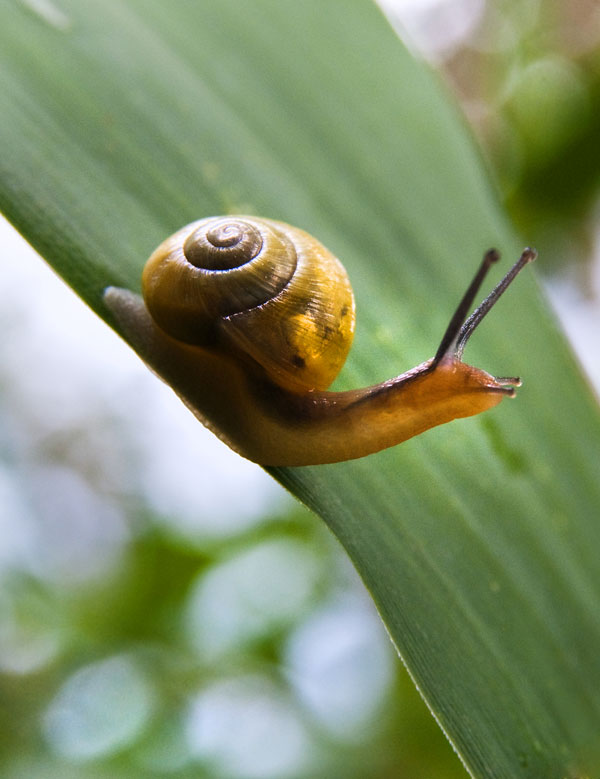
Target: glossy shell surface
x=261, y=289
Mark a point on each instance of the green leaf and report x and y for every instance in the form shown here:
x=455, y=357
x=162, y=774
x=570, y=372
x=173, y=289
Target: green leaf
x=122, y=121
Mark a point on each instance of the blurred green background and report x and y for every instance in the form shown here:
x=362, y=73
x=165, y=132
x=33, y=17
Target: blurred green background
x=143, y=562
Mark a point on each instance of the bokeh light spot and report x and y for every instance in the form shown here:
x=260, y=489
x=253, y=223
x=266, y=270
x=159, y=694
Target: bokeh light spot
x=256, y=591
x=341, y=664
x=231, y=727
x=100, y=709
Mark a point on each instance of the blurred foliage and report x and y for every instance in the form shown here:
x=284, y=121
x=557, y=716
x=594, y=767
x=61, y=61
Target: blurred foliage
x=105, y=670
x=528, y=77
x=525, y=65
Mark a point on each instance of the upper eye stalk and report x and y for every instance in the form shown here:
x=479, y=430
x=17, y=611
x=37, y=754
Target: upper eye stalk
x=250, y=320
x=461, y=328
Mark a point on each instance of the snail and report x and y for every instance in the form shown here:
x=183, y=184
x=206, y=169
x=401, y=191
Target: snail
x=250, y=320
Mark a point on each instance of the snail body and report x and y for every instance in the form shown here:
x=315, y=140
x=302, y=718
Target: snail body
x=250, y=320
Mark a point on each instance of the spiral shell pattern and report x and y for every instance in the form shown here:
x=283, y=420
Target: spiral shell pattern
x=261, y=289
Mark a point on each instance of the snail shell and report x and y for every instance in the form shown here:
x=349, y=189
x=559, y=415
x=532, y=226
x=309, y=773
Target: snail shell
x=259, y=289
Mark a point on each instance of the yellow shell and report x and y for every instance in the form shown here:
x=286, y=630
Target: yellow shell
x=255, y=287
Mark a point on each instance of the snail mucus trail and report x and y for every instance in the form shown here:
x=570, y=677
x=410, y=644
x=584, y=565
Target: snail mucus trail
x=249, y=320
